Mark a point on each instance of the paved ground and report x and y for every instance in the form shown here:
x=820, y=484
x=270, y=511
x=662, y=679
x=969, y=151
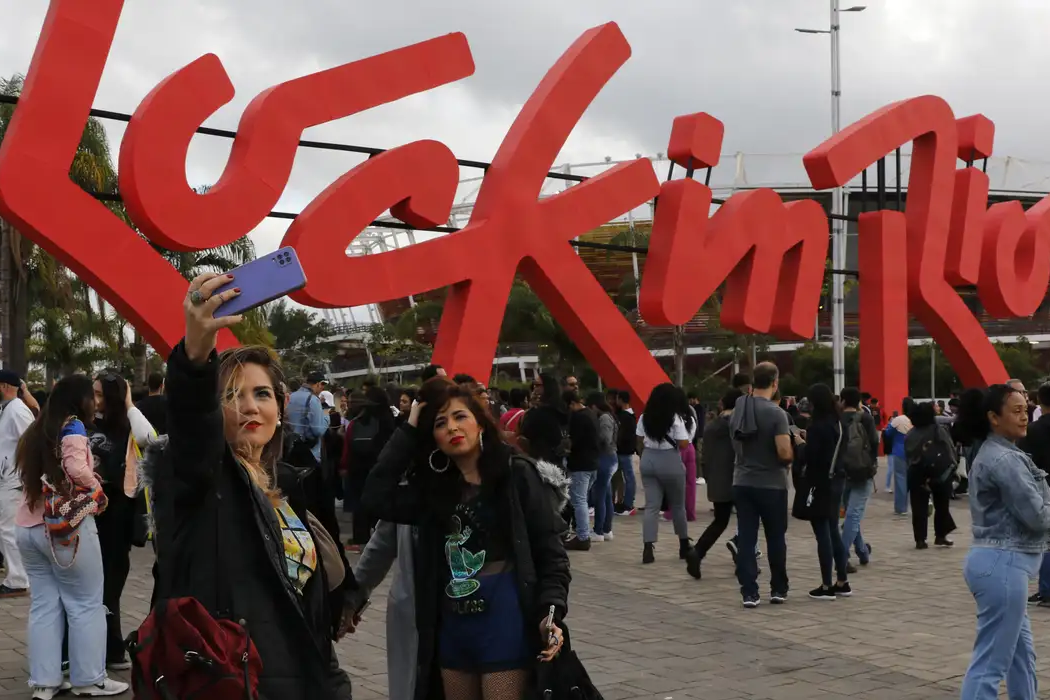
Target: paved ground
x=653, y=632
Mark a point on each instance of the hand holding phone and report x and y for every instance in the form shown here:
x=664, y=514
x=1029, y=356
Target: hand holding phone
x=263, y=280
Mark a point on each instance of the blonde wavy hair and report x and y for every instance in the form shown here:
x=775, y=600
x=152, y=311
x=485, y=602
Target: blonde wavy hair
x=231, y=372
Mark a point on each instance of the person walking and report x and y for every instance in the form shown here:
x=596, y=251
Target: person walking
x=717, y=459
x=896, y=432
x=931, y=463
x=1010, y=510
x=762, y=441
x=15, y=419
x=860, y=459
x=822, y=486
x=661, y=436
x=626, y=449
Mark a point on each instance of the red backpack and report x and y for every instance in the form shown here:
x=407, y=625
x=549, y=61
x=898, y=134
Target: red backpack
x=181, y=651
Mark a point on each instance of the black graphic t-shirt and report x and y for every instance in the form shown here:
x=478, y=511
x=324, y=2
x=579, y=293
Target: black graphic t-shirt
x=472, y=540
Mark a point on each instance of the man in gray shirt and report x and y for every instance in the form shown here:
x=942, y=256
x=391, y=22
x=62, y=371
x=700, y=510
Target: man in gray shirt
x=762, y=442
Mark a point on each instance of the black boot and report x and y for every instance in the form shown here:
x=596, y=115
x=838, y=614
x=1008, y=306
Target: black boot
x=692, y=563
x=684, y=548
x=648, y=557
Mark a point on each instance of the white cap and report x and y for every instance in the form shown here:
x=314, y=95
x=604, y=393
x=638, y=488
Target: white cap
x=327, y=398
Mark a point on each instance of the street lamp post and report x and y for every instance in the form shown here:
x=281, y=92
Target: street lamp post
x=838, y=228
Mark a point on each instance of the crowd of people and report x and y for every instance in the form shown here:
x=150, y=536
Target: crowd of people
x=475, y=498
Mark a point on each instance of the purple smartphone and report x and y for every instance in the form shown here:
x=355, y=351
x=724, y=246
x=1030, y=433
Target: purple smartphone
x=263, y=280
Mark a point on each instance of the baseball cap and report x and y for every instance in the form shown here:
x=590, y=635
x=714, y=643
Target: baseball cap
x=316, y=377
x=327, y=398
x=10, y=377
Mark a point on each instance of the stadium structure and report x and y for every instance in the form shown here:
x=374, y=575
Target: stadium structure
x=1010, y=178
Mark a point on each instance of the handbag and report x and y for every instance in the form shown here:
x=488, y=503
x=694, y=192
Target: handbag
x=66, y=505
x=564, y=677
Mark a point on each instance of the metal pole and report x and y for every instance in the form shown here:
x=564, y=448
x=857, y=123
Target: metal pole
x=838, y=240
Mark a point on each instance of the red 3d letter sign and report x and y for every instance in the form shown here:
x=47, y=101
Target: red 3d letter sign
x=770, y=255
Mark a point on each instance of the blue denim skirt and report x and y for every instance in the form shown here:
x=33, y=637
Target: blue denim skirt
x=484, y=632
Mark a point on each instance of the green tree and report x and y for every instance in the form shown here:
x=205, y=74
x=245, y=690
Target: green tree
x=297, y=334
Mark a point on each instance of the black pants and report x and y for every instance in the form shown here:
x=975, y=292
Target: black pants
x=943, y=523
x=830, y=550
x=114, y=537
x=770, y=508
x=723, y=512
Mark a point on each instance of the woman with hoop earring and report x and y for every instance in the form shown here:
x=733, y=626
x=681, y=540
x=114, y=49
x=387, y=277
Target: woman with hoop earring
x=490, y=564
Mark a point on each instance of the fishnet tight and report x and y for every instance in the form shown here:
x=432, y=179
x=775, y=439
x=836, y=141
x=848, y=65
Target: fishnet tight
x=505, y=685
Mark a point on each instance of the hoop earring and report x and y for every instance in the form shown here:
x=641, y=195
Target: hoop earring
x=481, y=442
x=435, y=469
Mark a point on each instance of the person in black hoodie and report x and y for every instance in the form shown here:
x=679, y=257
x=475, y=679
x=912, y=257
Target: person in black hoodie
x=490, y=564
x=717, y=459
x=823, y=482
x=231, y=523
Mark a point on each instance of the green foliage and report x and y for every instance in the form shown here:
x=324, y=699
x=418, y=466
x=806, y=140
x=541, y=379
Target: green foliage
x=297, y=335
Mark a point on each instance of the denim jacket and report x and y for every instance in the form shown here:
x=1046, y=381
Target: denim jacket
x=1009, y=499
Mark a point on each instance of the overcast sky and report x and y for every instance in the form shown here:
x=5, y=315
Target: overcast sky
x=737, y=59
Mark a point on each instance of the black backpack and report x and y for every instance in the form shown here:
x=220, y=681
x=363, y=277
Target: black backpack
x=936, y=461
x=858, y=461
x=364, y=443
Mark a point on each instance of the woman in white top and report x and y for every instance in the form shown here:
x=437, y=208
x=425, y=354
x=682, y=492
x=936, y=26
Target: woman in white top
x=662, y=434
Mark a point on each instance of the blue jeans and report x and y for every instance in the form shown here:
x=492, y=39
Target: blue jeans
x=579, y=486
x=629, y=485
x=602, y=491
x=768, y=507
x=65, y=595
x=998, y=579
x=1044, y=576
x=855, y=497
x=899, y=466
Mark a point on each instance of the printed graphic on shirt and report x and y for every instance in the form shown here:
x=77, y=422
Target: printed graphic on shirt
x=462, y=563
x=300, y=555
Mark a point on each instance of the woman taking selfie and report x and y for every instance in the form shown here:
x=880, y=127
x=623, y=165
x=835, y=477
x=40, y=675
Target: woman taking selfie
x=65, y=579
x=490, y=564
x=232, y=527
x=1010, y=509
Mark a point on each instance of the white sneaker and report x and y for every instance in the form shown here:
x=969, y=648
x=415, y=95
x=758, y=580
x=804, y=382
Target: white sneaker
x=608, y=536
x=104, y=689
x=46, y=693
x=701, y=481
x=597, y=538
x=590, y=512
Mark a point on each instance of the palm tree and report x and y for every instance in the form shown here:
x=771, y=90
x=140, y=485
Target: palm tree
x=92, y=169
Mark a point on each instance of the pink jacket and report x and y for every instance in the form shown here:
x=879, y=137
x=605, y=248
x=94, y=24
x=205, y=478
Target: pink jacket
x=78, y=464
